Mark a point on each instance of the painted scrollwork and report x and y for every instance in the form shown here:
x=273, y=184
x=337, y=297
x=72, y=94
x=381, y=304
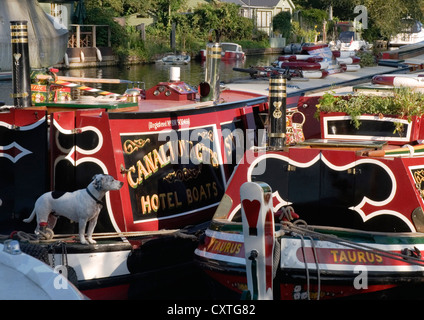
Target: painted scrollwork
x=130, y=146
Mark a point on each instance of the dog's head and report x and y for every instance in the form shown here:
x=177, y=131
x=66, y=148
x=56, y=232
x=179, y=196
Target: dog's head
x=105, y=182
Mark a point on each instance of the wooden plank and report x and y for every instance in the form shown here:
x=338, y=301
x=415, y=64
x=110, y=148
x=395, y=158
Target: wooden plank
x=83, y=79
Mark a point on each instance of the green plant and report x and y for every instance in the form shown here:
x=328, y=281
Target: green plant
x=404, y=103
x=302, y=35
x=282, y=23
x=367, y=59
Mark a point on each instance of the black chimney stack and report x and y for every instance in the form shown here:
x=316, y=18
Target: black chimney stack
x=20, y=60
x=277, y=112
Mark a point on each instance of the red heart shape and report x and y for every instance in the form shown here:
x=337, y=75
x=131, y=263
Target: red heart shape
x=251, y=210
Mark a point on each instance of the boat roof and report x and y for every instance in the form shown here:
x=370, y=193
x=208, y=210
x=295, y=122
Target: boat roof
x=342, y=83
x=226, y=97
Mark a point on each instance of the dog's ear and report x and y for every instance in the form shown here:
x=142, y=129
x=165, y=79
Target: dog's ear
x=97, y=182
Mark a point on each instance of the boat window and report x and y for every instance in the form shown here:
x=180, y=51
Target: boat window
x=224, y=208
x=346, y=36
x=410, y=26
x=229, y=47
x=339, y=127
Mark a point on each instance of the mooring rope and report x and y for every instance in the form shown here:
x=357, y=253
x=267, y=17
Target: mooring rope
x=289, y=227
x=33, y=238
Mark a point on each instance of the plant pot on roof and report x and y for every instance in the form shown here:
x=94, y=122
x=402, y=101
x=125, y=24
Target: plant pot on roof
x=396, y=118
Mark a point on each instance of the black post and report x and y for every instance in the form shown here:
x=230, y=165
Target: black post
x=173, y=35
x=20, y=60
x=277, y=111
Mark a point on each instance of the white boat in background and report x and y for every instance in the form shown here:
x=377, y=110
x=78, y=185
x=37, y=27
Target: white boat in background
x=175, y=59
x=24, y=277
x=412, y=33
x=350, y=41
x=229, y=51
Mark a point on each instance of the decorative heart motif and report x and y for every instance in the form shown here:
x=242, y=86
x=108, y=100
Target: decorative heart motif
x=277, y=104
x=251, y=209
x=17, y=56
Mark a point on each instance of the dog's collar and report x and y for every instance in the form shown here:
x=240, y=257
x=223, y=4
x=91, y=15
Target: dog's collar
x=94, y=198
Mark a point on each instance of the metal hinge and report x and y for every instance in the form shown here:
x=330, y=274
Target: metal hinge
x=354, y=171
x=291, y=168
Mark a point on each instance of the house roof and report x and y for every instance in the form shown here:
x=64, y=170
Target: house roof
x=239, y=2
x=258, y=3
x=261, y=3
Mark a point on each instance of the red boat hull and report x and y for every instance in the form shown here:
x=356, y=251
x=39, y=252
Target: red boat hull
x=303, y=65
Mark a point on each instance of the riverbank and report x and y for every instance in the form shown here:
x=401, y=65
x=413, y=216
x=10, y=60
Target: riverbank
x=104, y=56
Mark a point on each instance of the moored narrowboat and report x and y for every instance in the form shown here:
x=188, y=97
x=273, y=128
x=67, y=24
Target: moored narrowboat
x=170, y=145
x=339, y=216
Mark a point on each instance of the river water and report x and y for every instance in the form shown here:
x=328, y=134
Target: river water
x=151, y=74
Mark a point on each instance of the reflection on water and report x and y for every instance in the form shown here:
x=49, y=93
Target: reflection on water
x=151, y=74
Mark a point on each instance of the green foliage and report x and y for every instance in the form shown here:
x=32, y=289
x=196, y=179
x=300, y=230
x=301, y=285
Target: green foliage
x=251, y=44
x=166, y=10
x=105, y=16
x=191, y=29
x=314, y=16
x=303, y=35
x=404, y=103
x=384, y=16
x=119, y=7
x=225, y=19
x=367, y=58
x=282, y=23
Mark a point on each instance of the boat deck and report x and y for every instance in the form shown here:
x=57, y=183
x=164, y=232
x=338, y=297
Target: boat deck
x=146, y=105
x=240, y=88
x=335, y=82
x=226, y=96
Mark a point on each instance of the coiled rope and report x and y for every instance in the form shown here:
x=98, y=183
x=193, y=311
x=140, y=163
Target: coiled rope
x=300, y=229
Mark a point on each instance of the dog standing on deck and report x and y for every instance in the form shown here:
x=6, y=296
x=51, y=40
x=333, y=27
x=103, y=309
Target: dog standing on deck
x=82, y=206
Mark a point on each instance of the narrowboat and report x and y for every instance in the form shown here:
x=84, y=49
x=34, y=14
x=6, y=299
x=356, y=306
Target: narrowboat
x=338, y=216
x=168, y=145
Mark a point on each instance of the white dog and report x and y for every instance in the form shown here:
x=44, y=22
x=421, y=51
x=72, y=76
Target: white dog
x=82, y=206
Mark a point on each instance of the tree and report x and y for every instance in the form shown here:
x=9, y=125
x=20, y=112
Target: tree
x=343, y=9
x=120, y=7
x=282, y=23
x=225, y=19
x=165, y=10
x=387, y=15
x=384, y=16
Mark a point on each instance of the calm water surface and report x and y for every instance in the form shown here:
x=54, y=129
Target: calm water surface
x=151, y=74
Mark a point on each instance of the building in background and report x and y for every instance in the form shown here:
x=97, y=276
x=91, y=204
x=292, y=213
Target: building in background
x=60, y=10
x=263, y=11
